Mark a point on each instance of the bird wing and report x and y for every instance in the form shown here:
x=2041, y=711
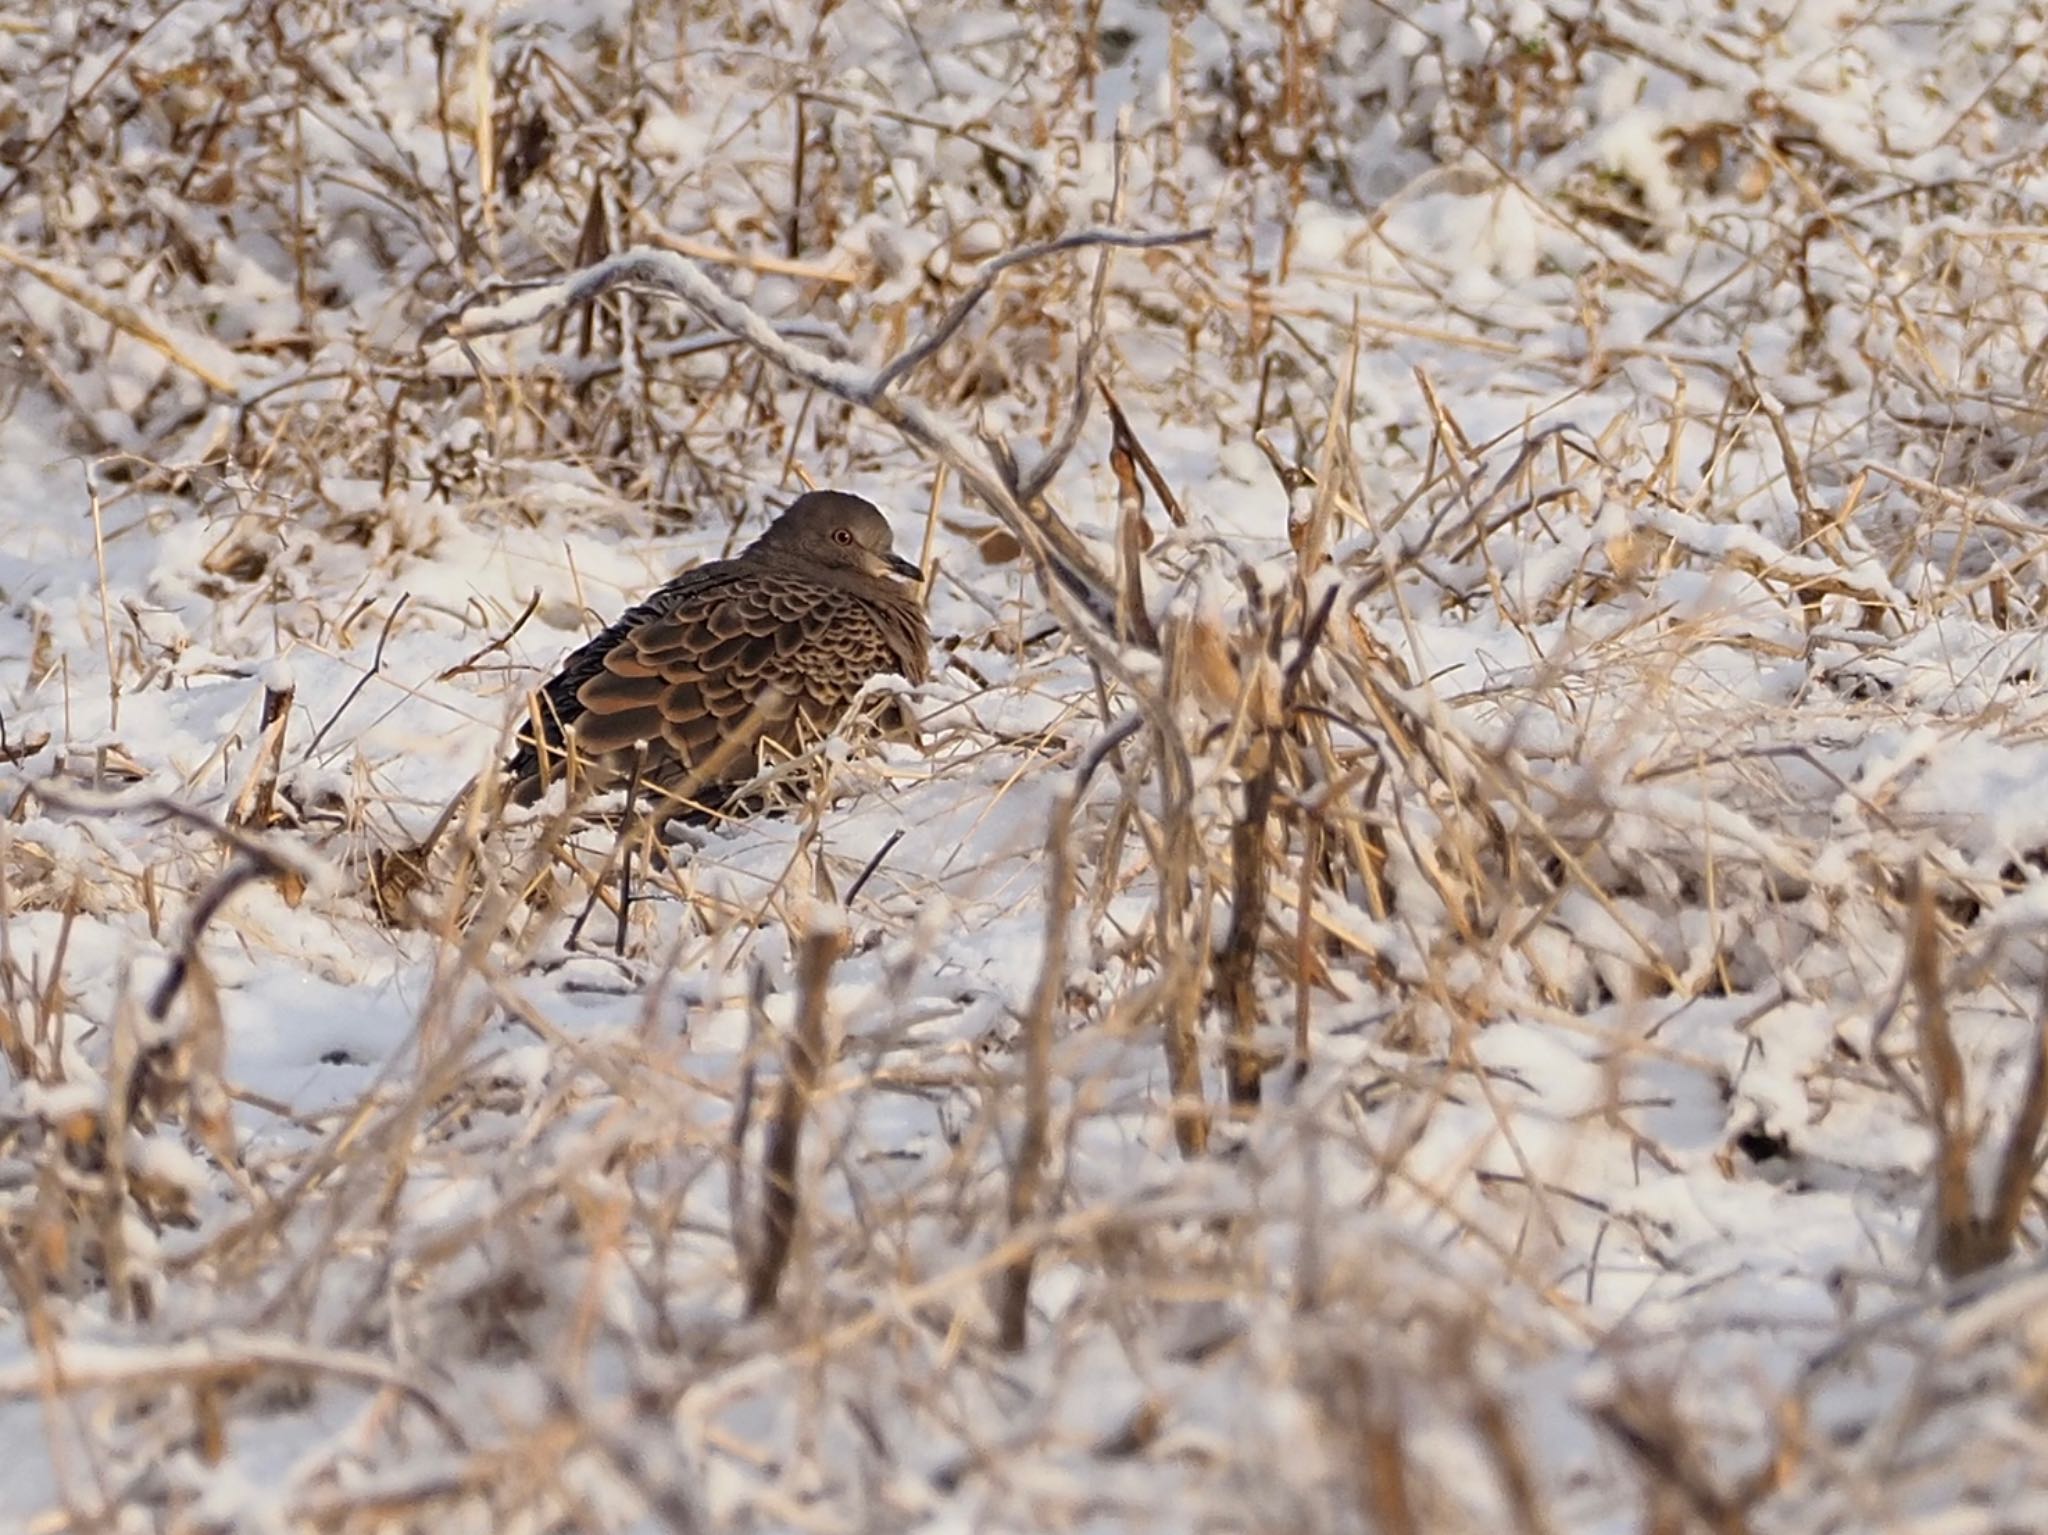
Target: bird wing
x=556, y=706
x=774, y=656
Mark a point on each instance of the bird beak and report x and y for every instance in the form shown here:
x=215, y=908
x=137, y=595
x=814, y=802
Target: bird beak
x=897, y=565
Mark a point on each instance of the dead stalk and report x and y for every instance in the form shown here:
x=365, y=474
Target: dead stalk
x=1966, y=1240
x=1133, y=618
x=1236, y=965
x=254, y=804
x=781, y=1156
x=1027, y=1174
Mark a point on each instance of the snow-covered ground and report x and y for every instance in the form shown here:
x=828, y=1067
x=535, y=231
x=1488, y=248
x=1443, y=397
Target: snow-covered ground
x=1604, y=448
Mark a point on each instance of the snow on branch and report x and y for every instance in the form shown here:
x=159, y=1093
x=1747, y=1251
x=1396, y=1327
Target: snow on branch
x=1067, y=566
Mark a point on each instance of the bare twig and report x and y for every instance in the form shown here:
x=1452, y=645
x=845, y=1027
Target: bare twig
x=868, y=869
x=1033, y=484
x=1067, y=567
x=1121, y=426
x=469, y=662
x=239, y=872
x=376, y=666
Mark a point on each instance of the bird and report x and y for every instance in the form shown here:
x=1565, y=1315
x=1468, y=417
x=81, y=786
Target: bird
x=769, y=647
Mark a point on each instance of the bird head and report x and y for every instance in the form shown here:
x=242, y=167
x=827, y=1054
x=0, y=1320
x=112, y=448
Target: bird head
x=838, y=531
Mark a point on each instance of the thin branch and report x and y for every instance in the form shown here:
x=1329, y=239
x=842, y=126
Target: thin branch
x=868, y=869
x=376, y=666
x=1033, y=484
x=1121, y=424
x=1067, y=568
x=469, y=663
x=1099, y=751
x=242, y=871
x=921, y=351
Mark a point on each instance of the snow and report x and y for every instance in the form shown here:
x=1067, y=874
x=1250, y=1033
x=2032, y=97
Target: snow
x=1605, y=1196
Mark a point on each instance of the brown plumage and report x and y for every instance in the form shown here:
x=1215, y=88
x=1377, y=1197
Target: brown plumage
x=768, y=647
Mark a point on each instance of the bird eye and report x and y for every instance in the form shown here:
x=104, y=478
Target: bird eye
x=842, y=535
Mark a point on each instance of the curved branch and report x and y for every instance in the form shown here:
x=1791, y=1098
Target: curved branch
x=1067, y=567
